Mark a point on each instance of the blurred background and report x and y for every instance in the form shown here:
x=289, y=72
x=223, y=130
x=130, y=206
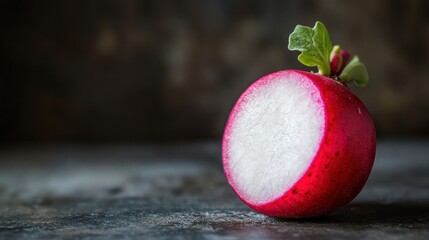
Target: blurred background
x=167, y=71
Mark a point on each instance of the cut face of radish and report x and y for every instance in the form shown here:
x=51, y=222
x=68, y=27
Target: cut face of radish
x=273, y=135
x=298, y=144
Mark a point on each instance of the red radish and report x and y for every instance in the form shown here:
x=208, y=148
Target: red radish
x=299, y=144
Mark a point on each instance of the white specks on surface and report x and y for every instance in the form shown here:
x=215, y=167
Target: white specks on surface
x=274, y=136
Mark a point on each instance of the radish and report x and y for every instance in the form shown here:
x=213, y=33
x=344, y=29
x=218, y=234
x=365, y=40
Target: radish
x=300, y=144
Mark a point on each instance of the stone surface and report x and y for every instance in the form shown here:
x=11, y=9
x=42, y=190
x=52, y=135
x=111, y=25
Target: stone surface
x=179, y=192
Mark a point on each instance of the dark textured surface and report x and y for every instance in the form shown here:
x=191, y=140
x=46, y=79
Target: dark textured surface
x=179, y=192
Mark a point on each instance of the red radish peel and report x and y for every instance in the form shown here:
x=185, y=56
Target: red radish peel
x=299, y=144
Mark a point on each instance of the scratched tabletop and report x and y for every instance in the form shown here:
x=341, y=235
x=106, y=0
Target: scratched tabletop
x=178, y=191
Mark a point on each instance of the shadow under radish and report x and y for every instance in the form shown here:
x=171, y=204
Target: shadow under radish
x=410, y=215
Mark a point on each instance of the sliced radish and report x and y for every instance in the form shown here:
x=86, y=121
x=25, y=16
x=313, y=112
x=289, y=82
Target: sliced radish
x=297, y=144
x=300, y=144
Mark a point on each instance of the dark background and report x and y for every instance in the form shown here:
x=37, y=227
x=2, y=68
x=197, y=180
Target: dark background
x=164, y=71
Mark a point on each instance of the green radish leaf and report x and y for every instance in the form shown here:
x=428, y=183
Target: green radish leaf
x=314, y=45
x=355, y=71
